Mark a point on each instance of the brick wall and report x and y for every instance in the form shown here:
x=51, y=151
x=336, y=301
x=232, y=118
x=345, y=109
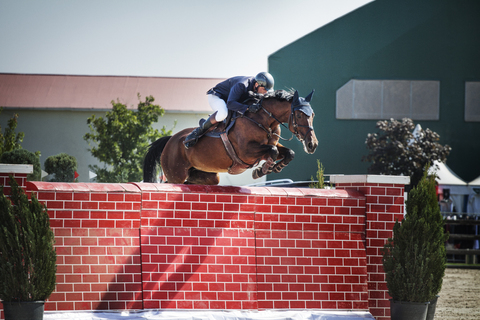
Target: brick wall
x=149, y=246
x=384, y=204
x=18, y=171
x=97, y=236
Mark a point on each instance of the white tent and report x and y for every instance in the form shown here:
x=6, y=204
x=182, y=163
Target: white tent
x=473, y=205
x=475, y=183
x=447, y=179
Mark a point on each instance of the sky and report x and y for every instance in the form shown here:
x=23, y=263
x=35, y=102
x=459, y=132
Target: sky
x=175, y=38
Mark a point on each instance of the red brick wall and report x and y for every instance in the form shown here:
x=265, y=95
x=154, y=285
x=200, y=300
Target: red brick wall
x=21, y=179
x=97, y=238
x=385, y=204
x=144, y=246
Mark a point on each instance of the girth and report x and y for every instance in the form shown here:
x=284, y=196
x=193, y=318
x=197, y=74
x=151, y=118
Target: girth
x=238, y=166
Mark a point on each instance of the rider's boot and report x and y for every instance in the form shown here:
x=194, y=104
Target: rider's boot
x=193, y=137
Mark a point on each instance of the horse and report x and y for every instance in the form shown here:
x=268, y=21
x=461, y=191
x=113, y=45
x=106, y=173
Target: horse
x=252, y=138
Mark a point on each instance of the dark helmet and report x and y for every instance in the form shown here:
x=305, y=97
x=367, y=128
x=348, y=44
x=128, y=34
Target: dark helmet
x=265, y=79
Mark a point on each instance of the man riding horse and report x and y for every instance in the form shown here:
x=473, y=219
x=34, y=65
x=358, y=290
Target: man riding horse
x=230, y=95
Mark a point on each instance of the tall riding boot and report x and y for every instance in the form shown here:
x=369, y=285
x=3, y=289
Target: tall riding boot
x=193, y=137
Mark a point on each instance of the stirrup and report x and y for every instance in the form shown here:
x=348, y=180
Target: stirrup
x=191, y=139
x=190, y=143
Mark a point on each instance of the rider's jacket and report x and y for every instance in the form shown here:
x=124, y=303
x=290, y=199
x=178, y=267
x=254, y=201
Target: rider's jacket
x=234, y=91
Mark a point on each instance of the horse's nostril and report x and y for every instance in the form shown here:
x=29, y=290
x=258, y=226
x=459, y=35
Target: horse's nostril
x=310, y=146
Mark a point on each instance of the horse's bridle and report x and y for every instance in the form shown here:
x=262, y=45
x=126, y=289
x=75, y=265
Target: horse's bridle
x=291, y=117
x=296, y=125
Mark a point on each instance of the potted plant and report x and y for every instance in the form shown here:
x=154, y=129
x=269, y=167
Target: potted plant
x=27, y=257
x=414, y=259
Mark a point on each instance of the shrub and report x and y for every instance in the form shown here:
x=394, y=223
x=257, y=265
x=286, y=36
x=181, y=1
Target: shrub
x=63, y=166
x=27, y=256
x=414, y=259
x=320, y=183
x=22, y=156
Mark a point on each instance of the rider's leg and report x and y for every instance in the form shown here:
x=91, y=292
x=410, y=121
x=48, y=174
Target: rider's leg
x=218, y=105
x=220, y=108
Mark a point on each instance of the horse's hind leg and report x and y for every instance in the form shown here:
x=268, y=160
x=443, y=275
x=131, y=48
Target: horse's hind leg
x=201, y=177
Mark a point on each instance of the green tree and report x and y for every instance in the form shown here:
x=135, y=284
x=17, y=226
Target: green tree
x=414, y=259
x=27, y=256
x=22, y=156
x=10, y=141
x=397, y=151
x=121, y=139
x=63, y=166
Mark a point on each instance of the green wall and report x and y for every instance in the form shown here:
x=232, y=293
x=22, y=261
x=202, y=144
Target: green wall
x=386, y=39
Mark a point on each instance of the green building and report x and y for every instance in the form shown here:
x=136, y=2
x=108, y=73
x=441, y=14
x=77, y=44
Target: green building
x=389, y=59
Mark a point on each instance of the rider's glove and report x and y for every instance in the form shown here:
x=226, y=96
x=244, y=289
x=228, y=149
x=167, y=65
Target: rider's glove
x=254, y=108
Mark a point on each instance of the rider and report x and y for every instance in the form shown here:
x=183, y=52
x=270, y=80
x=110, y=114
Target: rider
x=230, y=94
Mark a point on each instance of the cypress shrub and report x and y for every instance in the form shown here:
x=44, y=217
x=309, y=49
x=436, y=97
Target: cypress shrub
x=63, y=166
x=22, y=156
x=27, y=257
x=414, y=259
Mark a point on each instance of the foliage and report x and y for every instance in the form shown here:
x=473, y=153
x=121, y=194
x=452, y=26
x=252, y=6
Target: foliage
x=320, y=183
x=10, y=141
x=414, y=259
x=63, y=166
x=397, y=151
x=27, y=256
x=22, y=156
x=122, y=138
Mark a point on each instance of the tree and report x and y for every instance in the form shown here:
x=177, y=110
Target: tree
x=10, y=141
x=27, y=255
x=396, y=150
x=63, y=166
x=122, y=138
x=414, y=259
x=22, y=156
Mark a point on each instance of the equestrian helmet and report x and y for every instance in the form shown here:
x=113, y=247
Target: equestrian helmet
x=265, y=79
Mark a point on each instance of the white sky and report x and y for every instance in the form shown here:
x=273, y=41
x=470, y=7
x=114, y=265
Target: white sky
x=174, y=38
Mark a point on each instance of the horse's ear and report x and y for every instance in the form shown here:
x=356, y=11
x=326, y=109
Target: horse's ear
x=309, y=97
x=295, y=96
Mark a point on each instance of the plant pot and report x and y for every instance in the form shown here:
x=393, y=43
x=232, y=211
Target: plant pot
x=27, y=310
x=404, y=310
x=431, y=308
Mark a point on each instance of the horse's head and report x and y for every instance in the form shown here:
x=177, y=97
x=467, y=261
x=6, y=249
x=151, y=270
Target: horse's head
x=301, y=121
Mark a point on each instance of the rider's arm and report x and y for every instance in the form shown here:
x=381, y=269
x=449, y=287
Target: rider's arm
x=235, y=94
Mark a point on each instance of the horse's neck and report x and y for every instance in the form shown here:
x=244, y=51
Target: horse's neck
x=279, y=109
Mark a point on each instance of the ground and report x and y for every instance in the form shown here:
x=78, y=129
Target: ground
x=460, y=295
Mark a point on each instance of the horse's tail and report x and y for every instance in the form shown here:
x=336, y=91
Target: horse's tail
x=152, y=159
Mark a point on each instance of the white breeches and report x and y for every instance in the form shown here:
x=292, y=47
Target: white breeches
x=219, y=106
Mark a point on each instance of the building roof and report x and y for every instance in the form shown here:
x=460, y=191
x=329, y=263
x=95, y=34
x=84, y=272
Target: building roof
x=41, y=91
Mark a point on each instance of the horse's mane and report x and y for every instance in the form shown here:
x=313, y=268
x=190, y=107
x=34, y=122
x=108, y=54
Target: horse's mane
x=282, y=95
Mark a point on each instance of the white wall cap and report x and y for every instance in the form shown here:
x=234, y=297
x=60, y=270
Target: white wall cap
x=16, y=168
x=369, y=178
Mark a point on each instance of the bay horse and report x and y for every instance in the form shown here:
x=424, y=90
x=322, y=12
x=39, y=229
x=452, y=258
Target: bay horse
x=254, y=137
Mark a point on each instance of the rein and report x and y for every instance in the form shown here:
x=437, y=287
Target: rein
x=294, y=123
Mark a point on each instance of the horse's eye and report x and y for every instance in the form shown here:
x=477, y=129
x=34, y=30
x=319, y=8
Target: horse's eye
x=299, y=115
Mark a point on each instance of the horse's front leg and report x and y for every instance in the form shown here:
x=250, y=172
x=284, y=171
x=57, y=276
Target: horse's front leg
x=286, y=155
x=270, y=155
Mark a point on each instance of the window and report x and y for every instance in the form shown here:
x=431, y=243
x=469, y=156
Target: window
x=472, y=101
x=384, y=99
